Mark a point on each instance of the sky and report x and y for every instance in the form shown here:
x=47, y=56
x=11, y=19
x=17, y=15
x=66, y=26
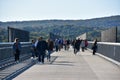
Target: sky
x=24, y=10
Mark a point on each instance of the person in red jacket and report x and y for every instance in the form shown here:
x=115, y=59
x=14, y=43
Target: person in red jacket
x=86, y=44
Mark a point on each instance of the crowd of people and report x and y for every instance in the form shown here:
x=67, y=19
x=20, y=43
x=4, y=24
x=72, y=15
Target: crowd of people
x=43, y=48
x=79, y=43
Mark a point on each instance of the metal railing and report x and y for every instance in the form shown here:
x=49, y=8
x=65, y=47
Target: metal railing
x=110, y=50
x=6, y=50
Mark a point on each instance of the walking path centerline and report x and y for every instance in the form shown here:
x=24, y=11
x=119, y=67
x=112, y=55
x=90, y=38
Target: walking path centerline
x=67, y=66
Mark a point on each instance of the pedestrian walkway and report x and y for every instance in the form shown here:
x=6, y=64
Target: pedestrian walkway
x=67, y=66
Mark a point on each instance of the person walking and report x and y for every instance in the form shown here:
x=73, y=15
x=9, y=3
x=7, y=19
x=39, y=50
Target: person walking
x=17, y=49
x=56, y=45
x=82, y=45
x=50, y=49
x=86, y=44
x=68, y=44
x=65, y=44
x=77, y=44
x=94, y=47
x=33, y=50
x=41, y=48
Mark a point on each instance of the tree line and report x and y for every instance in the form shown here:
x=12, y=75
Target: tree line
x=65, y=28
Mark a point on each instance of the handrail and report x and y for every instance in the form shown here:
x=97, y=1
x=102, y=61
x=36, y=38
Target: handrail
x=106, y=43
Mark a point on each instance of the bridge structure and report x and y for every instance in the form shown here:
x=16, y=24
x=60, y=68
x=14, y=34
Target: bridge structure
x=64, y=65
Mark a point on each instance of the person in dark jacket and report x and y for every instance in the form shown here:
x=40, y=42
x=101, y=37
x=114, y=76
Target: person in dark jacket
x=56, y=45
x=77, y=44
x=94, y=47
x=50, y=49
x=41, y=48
x=16, y=49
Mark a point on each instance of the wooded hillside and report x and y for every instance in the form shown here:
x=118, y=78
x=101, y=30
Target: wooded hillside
x=65, y=28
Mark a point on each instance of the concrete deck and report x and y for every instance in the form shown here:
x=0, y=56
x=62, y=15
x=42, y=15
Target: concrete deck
x=67, y=66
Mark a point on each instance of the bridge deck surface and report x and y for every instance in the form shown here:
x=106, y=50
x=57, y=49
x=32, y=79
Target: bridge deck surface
x=67, y=66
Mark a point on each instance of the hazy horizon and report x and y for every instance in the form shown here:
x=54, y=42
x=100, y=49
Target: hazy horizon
x=60, y=19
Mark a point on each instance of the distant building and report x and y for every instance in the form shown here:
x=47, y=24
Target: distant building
x=83, y=36
x=53, y=36
x=109, y=35
x=17, y=33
